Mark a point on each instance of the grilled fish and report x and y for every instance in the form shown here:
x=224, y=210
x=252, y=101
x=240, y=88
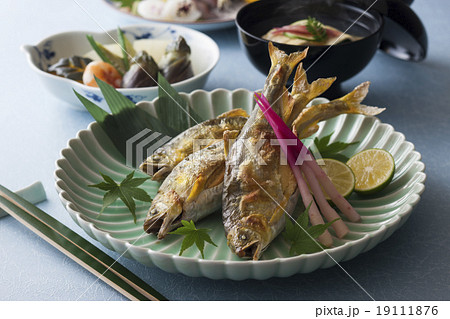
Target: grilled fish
x=165, y=158
x=192, y=191
x=257, y=189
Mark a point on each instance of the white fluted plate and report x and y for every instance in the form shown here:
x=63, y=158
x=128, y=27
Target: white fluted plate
x=92, y=152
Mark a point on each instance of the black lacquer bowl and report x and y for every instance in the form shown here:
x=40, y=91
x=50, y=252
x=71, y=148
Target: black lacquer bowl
x=342, y=60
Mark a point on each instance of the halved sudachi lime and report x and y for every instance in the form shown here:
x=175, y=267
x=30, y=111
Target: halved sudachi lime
x=373, y=169
x=340, y=174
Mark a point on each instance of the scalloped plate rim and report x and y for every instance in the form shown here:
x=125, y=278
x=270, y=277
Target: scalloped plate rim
x=399, y=217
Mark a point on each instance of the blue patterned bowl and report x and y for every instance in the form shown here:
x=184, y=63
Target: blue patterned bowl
x=204, y=57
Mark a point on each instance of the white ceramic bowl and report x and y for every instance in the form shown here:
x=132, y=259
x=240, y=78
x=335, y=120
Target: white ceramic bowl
x=204, y=57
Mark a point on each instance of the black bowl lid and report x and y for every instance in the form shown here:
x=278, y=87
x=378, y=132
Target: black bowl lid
x=404, y=35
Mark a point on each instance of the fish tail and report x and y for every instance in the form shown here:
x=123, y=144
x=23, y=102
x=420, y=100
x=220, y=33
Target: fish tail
x=354, y=98
x=278, y=56
x=306, y=123
x=319, y=86
x=303, y=92
x=358, y=94
x=312, y=90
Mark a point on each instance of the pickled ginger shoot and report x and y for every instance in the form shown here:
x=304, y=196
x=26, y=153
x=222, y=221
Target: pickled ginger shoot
x=308, y=32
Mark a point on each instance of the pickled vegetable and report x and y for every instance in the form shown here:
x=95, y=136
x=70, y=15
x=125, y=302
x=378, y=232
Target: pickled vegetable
x=71, y=68
x=142, y=73
x=175, y=64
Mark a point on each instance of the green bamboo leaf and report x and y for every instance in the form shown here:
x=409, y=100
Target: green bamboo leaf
x=106, y=55
x=116, y=101
x=97, y=112
x=172, y=109
x=127, y=120
x=126, y=47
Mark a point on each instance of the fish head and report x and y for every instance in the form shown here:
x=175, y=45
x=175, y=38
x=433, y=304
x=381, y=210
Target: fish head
x=164, y=215
x=158, y=165
x=245, y=242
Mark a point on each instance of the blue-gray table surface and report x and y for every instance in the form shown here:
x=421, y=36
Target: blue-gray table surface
x=413, y=264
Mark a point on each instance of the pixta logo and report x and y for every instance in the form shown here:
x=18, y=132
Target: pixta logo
x=142, y=145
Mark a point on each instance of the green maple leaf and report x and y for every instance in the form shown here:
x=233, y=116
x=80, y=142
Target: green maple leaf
x=327, y=150
x=127, y=191
x=302, y=237
x=192, y=236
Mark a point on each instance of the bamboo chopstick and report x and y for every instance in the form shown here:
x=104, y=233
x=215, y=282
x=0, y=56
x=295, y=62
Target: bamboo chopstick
x=77, y=248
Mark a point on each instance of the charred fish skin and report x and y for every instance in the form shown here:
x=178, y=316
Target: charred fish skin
x=164, y=159
x=257, y=189
x=192, y=191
